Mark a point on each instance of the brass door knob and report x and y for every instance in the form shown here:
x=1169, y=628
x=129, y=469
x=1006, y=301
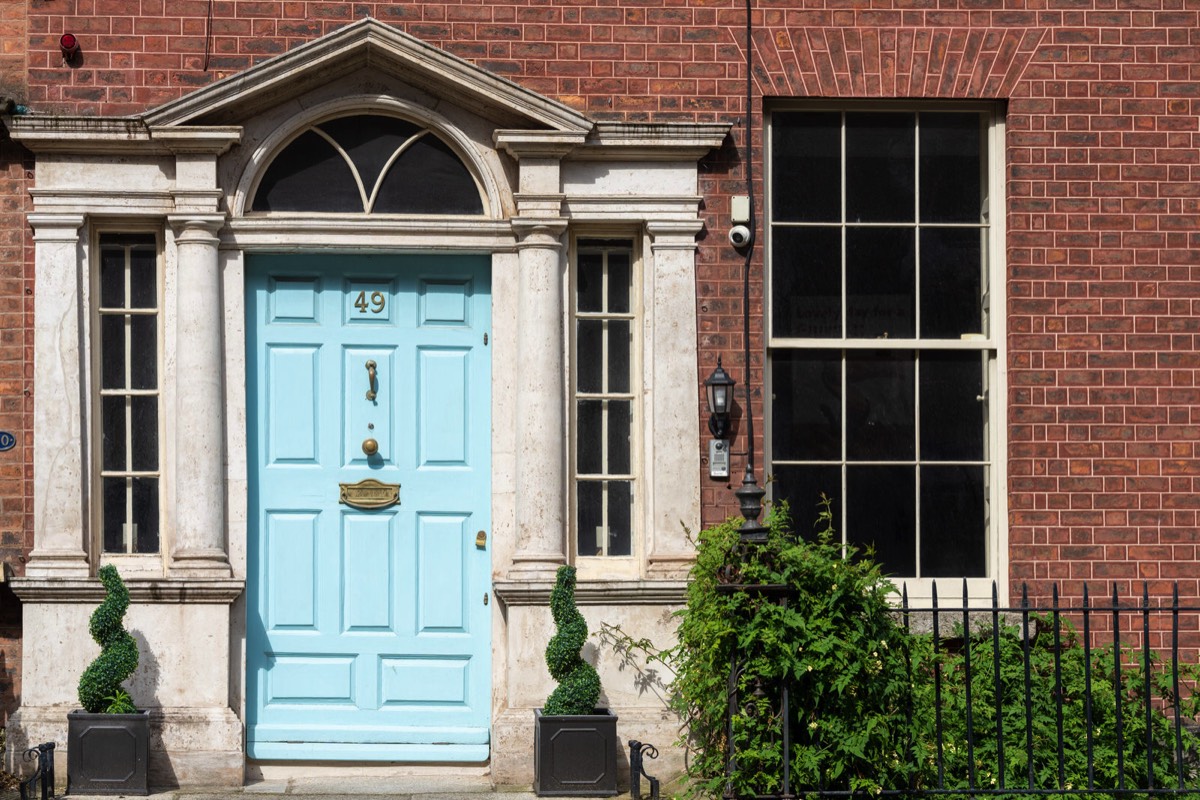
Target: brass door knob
x=370, y=447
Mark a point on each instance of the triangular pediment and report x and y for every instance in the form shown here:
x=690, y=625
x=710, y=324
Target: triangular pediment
x=372, y=46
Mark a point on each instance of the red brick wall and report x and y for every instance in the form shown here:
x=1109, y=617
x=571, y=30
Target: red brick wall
x=1104, y=349
x=16, y=351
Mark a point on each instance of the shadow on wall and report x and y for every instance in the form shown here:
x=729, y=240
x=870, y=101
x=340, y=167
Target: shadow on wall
x=10, y=652
x=143, y=687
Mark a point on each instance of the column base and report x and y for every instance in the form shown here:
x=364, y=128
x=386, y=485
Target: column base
x=534, y=567
x=200, y=564
x=57, y=564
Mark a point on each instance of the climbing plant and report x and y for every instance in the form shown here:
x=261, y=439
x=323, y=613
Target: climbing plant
x=578, y=684
x=100, y=688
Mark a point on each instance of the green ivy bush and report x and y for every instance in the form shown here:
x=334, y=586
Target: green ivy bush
x=100, y=685
x=578, y=684
x=864, y=713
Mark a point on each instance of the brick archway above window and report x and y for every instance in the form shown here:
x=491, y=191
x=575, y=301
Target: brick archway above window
x=965, y=63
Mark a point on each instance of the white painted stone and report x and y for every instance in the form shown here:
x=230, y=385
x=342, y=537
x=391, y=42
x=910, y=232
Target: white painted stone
x=644, y=180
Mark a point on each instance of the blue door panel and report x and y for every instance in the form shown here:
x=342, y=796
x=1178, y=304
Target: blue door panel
x=367, y=633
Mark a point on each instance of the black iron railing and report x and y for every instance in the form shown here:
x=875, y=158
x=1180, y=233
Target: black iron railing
x=1081, y=699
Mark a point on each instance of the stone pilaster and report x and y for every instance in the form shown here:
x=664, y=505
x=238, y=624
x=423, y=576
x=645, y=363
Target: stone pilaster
x=60, y=527
x=198, y=546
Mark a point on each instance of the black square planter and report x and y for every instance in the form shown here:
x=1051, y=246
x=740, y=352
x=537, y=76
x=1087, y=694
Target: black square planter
x=107, y=753
x=575, y=755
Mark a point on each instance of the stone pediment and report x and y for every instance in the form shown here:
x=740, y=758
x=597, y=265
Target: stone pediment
x=372, y=46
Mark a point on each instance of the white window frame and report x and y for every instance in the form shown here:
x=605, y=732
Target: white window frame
x=598, y=567
x=992, y=342
x=128, y=562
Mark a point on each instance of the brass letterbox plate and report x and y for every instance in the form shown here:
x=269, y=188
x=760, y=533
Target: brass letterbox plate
x=369, y=494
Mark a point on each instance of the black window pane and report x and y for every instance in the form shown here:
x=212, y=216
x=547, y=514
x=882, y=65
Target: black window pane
x=589, y=437
x=370, y=140
x=113, y=514
x=112, y=277
x=620, y=515
x=806, y=282
x=618, y=356
x=618, y=437
x=143, y=345
x=806, y=405
x=952, y=522
x=802, y=487
x=309, y=175
x=145, y=433
x=881, y=286
x=951, y=177
x=951, y=282
x=589, y=502
x=589, y=284
x=589, y=361
x=880, y=421
x=881, y=515
x=145, y=515
x=952, y=413
x=428, y=178
x=112, y=352
x=618, y=283
x=112, y=440
x=880, y=170
x=143, y=276
x=806, y=167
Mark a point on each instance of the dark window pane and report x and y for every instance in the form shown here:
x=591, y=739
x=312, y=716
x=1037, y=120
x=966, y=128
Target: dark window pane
x=806, y=168
x=881, y=515
x=952, y=522
x=951, y=282
x=589, y=284
x=113, y=514
x=952, y=414
x=370, y=140
x=620, y=514
x=618, y=356
x=590, y=517
x=145, y=515
x=428, y=178
x=806, y=405
x=618, y=283
x=143, y=346
x=806, y=282
x=112, y=352
x=618, y=437
x=145, y=433
x=951, y=176
x=112, y=437
x=309, y=175
x=112, y=277
x=881, y=284
x=589, y=363
x=880, y=423
x=880, y=170
x=589, y=454
x=143, y=276
x=802, y=486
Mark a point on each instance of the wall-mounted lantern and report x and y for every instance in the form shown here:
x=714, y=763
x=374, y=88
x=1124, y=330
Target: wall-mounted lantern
x=718, y=389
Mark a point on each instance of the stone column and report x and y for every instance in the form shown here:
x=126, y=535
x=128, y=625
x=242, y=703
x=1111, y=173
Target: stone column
x=674, y=493
x=199, y=543
x=541, y=424
x=60, y=526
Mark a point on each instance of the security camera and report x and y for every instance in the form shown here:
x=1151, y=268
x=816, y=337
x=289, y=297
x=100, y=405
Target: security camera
x=739, y=236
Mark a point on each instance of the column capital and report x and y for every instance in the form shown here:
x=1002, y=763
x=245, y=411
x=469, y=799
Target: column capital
x=543, y=232
x=196, y=228
x=55, y=227
x=674, y=234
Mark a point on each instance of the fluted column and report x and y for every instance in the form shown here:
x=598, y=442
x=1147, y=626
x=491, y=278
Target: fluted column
x=199, y=540
x=60, y=512
x=674, y=493
x=541, y=427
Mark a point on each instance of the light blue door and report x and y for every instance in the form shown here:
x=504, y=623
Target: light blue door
x=368, y=629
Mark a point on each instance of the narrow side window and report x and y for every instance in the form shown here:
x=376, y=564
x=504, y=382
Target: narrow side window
x=128, y=323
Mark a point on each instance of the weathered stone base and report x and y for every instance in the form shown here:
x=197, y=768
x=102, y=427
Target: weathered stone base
x=189, y=747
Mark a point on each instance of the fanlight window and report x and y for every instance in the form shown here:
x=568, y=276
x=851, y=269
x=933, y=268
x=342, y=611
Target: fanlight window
x=368, y=163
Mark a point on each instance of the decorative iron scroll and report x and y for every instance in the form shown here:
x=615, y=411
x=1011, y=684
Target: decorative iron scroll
x=43, y=775
x=637, y=769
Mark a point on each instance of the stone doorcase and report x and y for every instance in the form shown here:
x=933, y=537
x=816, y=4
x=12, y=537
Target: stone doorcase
x=185, y=175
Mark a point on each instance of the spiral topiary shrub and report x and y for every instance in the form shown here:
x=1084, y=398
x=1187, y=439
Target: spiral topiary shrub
x=100, y=685
x=578, y=684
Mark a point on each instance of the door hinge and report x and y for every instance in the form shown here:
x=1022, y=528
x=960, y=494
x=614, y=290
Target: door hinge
x=485, y=598
x=485, y=339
